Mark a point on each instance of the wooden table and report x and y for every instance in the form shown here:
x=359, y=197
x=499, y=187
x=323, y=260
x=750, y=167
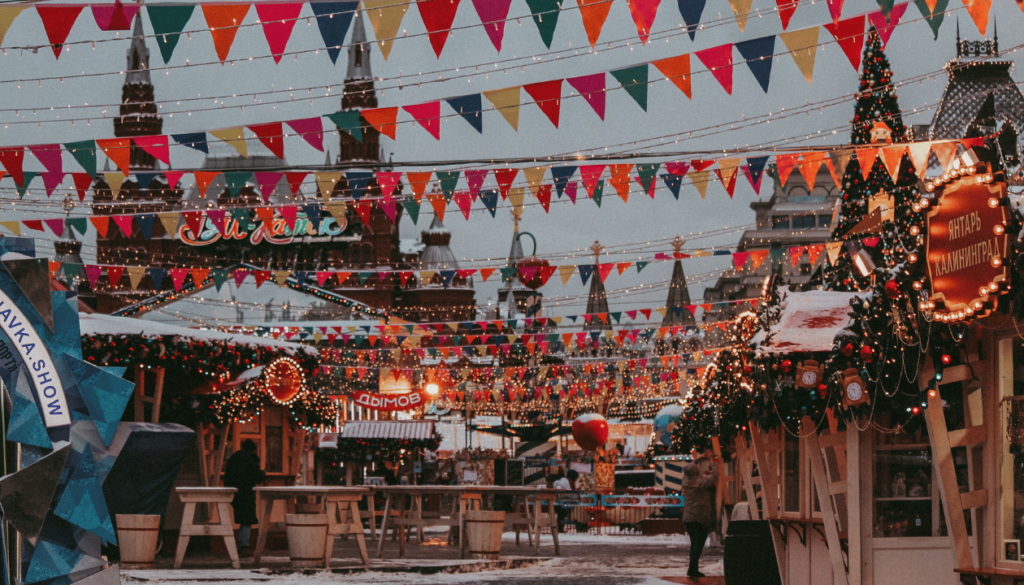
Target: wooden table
x=467, y=496
x=340, y=503
x=221, y=498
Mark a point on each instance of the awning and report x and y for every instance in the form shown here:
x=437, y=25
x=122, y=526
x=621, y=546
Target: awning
x=388, y=429
x=810, y=322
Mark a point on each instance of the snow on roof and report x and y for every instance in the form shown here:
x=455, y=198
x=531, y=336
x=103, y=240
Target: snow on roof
x=410, y=246
x=97, y=324
x=810, y=322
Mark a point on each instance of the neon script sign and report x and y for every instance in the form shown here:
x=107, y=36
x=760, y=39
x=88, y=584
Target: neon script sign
x=273, y=231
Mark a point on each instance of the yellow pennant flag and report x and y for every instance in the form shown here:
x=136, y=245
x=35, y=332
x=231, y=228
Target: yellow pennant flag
x=919, y=152
x=728, y=168
x=114, y=180
x=840, y=160
x=802, y=45
x=534, y=176
x=13, y=226
x=325, y=182
x=337, y=210
x=385, y=18
x=135, y=274
x=566, y=272
x=7, y=16
x=741, y=9
x=170, y=223
x=426, y=276
x=506, y=101
x=833, y=249
x=233, y=136
x=700, y=181
x=557, y=320
x=280, y=276
x=515, y=197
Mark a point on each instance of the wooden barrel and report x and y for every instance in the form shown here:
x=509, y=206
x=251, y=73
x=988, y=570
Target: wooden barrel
x=307, y=539
x=137, y=536
x=483, y=532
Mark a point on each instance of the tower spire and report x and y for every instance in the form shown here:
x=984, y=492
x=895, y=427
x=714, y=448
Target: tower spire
x=358, y=52
x=676, y=312
x=597, y=300
x=138, y=114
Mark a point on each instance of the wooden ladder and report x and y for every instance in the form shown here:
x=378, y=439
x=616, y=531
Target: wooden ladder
x=943, y=441
x=834, y=495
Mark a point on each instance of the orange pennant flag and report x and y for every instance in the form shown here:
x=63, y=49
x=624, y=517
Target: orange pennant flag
x=677, y=70
x=199, y=276
x=866, y=159
x=795, y=253
x=813, y=252
x=203, y=180
x=620, y=180
x=945, y=151
x=383, y=119
x=486, y=273
x=757, y=258
x=594, y=13
x=785, y=163
x=809, y=167
x=438, y=202
x=978, y=9
x=418, y=182
x=891, y=156
x=118, y=150
x=101, y=223
x=919, y=152
x=224, y=20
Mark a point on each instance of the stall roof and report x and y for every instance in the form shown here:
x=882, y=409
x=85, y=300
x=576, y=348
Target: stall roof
x=388, y=429
x=810, y=322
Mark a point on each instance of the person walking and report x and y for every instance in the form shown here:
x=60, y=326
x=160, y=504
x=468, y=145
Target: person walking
x=243, y=473
x=698, y=509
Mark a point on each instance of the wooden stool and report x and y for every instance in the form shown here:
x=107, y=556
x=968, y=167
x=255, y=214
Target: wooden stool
x=467, y=501
x=343, y=518
x=221, y=497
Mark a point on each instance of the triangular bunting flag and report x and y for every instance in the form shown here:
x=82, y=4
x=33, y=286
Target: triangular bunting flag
x=224, y=20
x=718, y=60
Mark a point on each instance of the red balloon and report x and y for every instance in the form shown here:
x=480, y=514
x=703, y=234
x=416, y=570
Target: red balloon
x=590, y=431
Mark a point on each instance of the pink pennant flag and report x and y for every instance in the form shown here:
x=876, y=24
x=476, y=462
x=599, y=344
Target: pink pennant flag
x=835, y=9
x=48, y=155
x=156, y=146
x=464, y=201
x=388, y=181
x=591, y=174
x=311, y=130
x=643, y=12
x=216, y=216
x=178, y=275
x=492, y=15
x=125, y=223
x=427, y=115
x=592, y=88
x=677, y=168
x=173, y=177
x=240, y=275
x=271, y=135
x=51, y=181
x=885, y=27
x=389, y=207
x=475, y=179
x=267, y=181
x=56, y=226
x=92, y=272
x=278, y=21
x=570, y=191
x=115, y=16
x=289, y=213
x=718, y=60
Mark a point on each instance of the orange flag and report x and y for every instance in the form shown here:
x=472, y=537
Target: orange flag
x=438, y=202
x=978, y=9
x=203, y=180
x=809, y=167
x=418, y=183
x=620, y=180
x=677, y=70
x=785, y=164
x=383, y=119
x=757, y=258
x=224, y=20
x=594, y=13
x=866, y=159
x=891, y=156
x=118, y=150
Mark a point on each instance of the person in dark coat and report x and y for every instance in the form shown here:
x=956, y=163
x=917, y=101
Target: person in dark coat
x=698, y=509
x=243, y=473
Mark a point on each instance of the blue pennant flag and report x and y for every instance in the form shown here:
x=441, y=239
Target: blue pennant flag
x=313, y=214
x=759, y=54
x=561, y=176
x=333, y=20
x=673, y=182
x=489, y=198
x=447, y=276
x=144, y=179
x=691, y=11
x=586, y=271
x=755, y=167
x=146, y=224
x=157, y=275
x=469, y=107
x=196, y=140
x=357, y=182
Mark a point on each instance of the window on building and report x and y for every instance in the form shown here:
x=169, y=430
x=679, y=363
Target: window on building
x=803, y=222
x=780, y=223
x=824, y=221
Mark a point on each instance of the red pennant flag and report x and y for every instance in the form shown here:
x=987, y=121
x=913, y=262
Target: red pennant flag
x=178, y=275
x=311, y=130
x=475, y=179
x=728, y=182
x=173, y=177
x=718, y=60
x=464, y=201
x=33, y=224
x=505, y=178
x=224, y=20
x=739, y=259
x=591, y=174
x=427, y=115
x=118, y=150
x=795, y=253
x=786, y=10
x=114, y=275
x=13, y=159
x=383, y=119
x=643, y=12
x=82, y=183
x=271, y=135
x=261, y=276
x=849, y=34
x=194, y=219
x=605, y=269
x=156, y=146
x=364, y=208
x=544, y=196
x=278, y=21
x=295, y=181
x=438, y=16
x=125, y=223
x=548, y=95
x=57, y=21
x=289, y=213
x=101, y=223
x=388, y=182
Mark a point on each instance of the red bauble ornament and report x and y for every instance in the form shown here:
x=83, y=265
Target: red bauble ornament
x=867, y=354
x=946, y=359
x=532, y=262
x=848, y=350
x=590, y=431
x=892, y=289
x=787, y=365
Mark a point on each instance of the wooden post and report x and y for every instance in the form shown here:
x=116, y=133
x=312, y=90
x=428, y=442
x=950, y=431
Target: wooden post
x=141, y=398
x=766, y=452
x=830, y=515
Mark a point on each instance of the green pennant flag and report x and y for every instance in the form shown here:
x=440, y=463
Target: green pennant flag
x=349, y=122
x=640, y=265
x=634, y=81
x=364, y=276
x=84, y=153
x=80, y=224
x=599, y=192
x=508, y=273
x=412, y=208
x=71, y=271
x=236, y=180
x=778, y=255
x=219, y=278
x=168, y=21
x=934, y=19
x=545, y=14
x=242, y=217
x=448, y=181
x=23, y=187
x=647, y=173
x=617, y=316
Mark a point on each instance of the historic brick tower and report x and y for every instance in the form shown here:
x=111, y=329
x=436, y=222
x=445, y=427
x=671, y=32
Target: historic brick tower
x=138, y=113
x=359, y=94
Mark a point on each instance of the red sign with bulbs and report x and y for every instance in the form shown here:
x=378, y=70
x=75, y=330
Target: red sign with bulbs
x=406, y=401
x=967, y=244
